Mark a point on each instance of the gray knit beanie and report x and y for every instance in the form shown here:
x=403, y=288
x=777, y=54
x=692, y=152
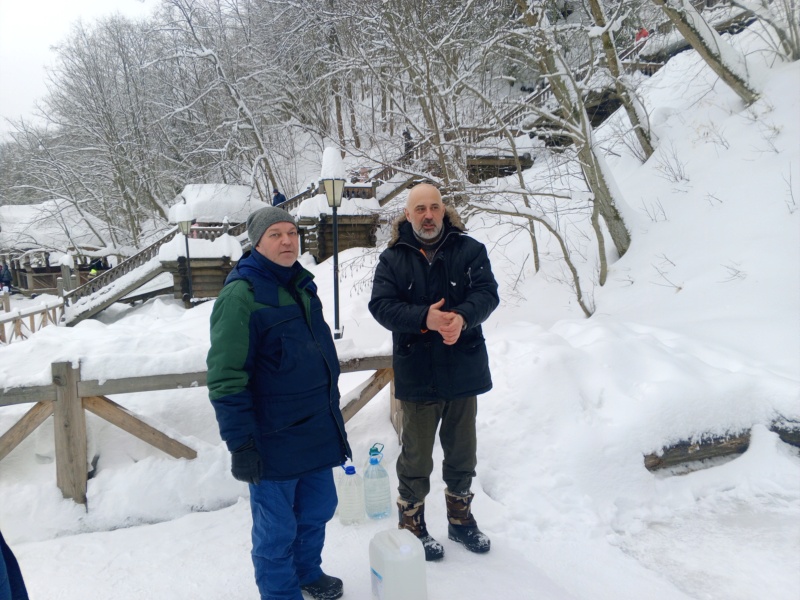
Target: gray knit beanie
x=261, y=220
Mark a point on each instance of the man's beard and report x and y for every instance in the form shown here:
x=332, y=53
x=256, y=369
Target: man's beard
x=428, y=236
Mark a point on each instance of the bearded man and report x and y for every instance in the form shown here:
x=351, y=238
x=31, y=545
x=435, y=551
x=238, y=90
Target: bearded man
x=433, y=288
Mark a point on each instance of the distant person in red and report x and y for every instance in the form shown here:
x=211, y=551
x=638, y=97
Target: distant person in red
x=642, y=34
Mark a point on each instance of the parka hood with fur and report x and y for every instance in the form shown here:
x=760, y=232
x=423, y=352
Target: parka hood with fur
x=451, y=218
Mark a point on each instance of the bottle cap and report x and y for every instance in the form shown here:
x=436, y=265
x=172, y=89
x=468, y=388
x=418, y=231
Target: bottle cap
x=374, y=459
x=350, y=470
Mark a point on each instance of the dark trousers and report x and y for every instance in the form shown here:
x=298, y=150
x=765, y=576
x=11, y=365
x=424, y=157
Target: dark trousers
x=12, y=587
x=289, y=520
x=459, y=442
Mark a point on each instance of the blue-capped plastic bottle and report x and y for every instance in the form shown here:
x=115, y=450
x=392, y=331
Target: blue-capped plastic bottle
x=351, y=497
x=377, y=492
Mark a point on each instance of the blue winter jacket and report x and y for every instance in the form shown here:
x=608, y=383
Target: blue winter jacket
x=404, y=287
x=273, y=371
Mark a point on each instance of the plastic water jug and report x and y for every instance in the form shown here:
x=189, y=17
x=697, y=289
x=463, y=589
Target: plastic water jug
x=397, y=564
x=351, y=497
x=377, y=491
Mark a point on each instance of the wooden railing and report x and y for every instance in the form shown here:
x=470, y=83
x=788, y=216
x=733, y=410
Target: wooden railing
x=114, y=273
x=68, y=397
x=20, y=324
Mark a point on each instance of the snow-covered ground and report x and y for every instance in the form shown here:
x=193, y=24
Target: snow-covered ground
x=697, y=331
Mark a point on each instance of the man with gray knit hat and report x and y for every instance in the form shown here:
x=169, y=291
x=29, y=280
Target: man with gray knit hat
x=273, y=381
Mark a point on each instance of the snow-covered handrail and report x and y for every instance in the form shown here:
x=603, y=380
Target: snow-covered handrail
x=212, y=233
x=123, y=268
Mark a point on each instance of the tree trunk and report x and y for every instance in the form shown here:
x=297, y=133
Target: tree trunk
x=726, y=62
x=629, y=102
x=568, y=94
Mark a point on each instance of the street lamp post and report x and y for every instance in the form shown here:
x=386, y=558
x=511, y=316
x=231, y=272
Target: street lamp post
x=185, y=221
x=333, y=193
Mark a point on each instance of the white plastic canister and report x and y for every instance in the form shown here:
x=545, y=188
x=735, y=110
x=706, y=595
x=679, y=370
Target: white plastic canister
x=397, y=561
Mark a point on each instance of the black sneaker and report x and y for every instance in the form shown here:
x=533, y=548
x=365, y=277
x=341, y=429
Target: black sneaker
x=324, y=588
x=472, y=538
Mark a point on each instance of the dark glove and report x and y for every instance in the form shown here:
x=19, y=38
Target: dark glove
x=246, y=463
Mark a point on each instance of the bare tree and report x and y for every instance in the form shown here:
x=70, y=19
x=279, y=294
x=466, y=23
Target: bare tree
x=101, y=152
x=724, y=60
x=782, y=17
x=633, y=108
x=206, y=40
x=572, y=120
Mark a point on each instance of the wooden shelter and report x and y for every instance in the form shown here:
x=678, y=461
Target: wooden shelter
x=355, y=231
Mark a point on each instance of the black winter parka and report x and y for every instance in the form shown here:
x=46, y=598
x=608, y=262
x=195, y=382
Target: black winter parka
x=406, y=285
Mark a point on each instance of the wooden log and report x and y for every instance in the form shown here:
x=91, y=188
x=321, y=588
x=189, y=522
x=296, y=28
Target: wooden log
x=70, y=433
x=788, y=430
x=127, y=421
x=710, y=447
x=715, y=446
x=24, y=427
x=366, y=392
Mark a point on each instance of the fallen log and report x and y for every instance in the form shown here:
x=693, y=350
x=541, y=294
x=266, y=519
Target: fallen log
x=713, y=446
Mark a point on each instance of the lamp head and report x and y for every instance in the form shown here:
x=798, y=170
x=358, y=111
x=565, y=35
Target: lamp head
x=333, y=191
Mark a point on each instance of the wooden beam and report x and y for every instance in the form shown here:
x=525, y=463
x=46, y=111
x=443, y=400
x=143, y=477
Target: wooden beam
x=367, y=363
x=127, y=421
x=366, y=392
x=24, y=395
x=24, y=427
x=150, y=383
x=70, y=433
x=498, y=161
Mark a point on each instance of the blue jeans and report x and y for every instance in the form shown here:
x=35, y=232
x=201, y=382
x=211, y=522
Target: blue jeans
x=12, y=587
x=289, y=520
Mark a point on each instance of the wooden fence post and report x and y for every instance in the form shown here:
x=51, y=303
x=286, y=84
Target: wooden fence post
x=67, y=277
x=70, y=433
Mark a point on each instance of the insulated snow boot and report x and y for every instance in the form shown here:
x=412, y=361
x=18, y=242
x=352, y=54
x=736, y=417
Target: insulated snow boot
x=412, y=517
x=462, y=527
x=324, y=588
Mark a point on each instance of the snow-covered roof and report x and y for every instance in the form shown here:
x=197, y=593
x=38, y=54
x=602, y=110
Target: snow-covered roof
x=54, y=224
x=318, y=205
x=213, y=202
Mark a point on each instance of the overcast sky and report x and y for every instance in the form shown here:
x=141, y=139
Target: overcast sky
x=28, y=28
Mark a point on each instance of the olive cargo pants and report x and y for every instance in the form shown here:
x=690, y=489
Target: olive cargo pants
x=459, y=442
